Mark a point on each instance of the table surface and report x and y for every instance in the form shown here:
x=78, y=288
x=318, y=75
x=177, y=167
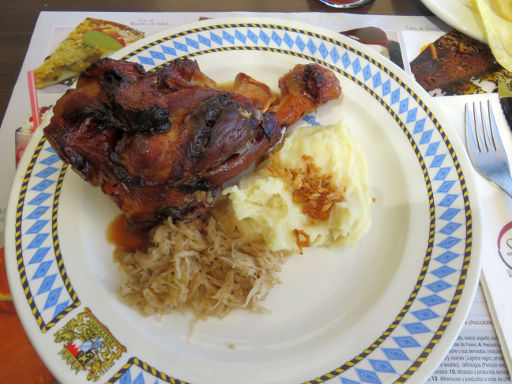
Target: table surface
x=19, y=18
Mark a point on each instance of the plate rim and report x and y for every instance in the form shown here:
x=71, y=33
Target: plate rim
x=474, y=30
x=474, y=268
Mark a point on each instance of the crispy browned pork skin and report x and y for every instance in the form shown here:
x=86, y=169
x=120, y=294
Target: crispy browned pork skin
x=159, y=143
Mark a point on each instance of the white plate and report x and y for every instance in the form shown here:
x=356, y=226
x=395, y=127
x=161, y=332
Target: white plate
x=458, y=15
x=385, y=310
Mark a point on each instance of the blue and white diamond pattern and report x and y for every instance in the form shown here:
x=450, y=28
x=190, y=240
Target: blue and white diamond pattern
x=41, y=267
x=438, y=282
x=424, y=316
x=136, y=375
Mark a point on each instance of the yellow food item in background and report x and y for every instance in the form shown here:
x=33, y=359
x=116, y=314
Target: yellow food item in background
x=312, y=190
x=471, y=4
x=504, y=8
x=501, y=7
x=496, y=17
x=73, y=56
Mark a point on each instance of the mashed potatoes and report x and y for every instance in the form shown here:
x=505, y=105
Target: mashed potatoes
x=311, y=191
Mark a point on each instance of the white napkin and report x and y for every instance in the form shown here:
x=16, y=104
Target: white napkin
x=496, y=213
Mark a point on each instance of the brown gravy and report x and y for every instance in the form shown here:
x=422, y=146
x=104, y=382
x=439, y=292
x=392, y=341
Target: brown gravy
x=123, y=237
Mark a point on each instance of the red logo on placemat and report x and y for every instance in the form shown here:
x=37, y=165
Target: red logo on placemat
x=505, y=244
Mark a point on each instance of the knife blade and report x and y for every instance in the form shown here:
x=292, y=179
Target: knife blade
x=505, y=95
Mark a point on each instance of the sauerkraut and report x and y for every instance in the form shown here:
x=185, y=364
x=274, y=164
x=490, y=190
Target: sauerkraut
x=207, y=267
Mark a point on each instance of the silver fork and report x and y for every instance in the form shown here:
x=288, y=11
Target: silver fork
x=485, y=147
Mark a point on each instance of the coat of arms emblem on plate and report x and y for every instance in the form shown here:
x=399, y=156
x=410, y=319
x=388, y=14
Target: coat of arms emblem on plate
x=88, y=345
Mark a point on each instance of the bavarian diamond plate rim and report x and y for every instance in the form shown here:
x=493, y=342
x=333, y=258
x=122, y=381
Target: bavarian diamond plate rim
x=407, y=349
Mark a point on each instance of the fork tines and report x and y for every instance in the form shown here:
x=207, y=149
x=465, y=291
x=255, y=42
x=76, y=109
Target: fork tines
x=485, y=147
x=482, y=129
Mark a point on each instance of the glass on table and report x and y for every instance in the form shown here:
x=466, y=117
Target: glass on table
x=345, y=3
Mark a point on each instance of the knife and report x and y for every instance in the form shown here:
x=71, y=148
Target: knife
x=505, y=95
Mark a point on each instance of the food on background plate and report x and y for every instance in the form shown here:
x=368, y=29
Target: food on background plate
x=496, y=16
x=89, y=41
x=504, y=8
x=457, y=64
x=160, y=143
x=497, y=20
x=312, y=190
